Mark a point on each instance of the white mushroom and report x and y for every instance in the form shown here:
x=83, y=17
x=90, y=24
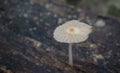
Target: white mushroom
x=100, y=23
x=72, y=32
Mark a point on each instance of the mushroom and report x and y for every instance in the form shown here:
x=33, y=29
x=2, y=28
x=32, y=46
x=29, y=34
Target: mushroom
x=72, y=32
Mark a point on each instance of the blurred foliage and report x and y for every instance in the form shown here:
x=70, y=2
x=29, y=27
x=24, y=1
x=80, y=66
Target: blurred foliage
x=114, y=11
x=73, y=2
x=105, y=7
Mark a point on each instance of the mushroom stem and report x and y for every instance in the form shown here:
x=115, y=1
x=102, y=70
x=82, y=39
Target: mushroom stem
x=70, y=54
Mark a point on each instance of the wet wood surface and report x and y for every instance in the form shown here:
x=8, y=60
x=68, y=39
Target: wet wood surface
x=27, y=44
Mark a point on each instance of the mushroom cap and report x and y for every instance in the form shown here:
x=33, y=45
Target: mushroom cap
x=72, y=32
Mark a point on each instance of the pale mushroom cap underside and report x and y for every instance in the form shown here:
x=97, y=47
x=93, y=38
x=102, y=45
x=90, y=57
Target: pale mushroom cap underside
x=72, y=32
